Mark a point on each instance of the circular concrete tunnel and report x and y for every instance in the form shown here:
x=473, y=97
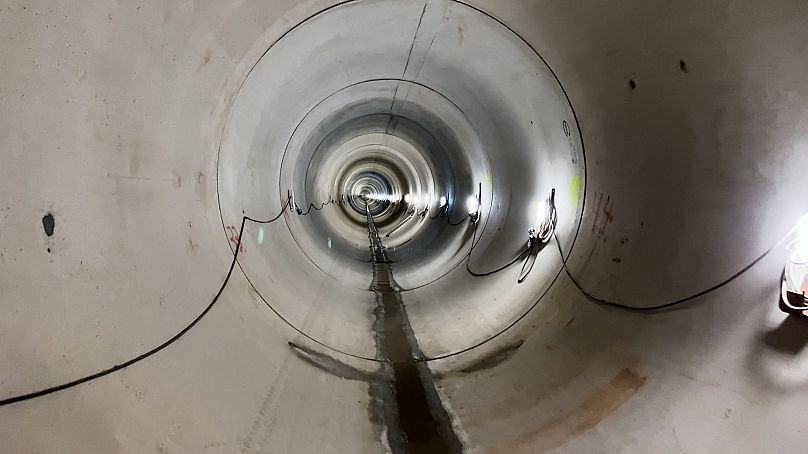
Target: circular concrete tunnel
x=148, y=144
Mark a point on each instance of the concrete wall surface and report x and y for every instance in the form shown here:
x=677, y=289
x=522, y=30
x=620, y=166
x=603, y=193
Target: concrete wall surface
x=136, y=136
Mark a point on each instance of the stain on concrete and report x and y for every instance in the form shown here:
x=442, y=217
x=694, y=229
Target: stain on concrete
x=494, y=359
x=331, y=365
x=594, y=409
x=420, y=422
x=49, y=224
x=192, y=246
x=255, y=297
x=134, y=164
x=199, y=188
x=683, y=66
x=205, y=58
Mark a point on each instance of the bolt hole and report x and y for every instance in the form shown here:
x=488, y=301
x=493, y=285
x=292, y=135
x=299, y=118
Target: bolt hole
x=48, y=223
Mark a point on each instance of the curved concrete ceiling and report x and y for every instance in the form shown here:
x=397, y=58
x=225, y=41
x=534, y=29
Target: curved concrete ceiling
x=144, y=141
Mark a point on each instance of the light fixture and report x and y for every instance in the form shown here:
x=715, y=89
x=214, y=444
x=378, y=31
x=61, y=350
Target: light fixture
x=548, y=218
x=443, y=201
x=472, y=205
x=407, y=198
x=794, y=283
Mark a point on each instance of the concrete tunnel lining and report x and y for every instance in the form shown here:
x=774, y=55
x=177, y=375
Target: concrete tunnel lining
x=715, y=143
x=534, y=143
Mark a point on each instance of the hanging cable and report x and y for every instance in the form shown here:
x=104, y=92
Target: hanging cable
x=310, y=207
x=182, y=332
x=527, y=266
x=453, y=224
x=677, y=302
x=474, y=241
x=580, y=288
x=443, y=209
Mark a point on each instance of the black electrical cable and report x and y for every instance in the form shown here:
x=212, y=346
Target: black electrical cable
x=449, y=221
x=174, y=338
x=600, y=300
x=310, y=207
x=442, y=211
x=532, y=255
x=467, y=257
x=141, y=357
x=658, y=306
x=524, y=254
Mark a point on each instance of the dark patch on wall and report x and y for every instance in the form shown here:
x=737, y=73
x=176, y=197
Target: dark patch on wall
x=494, y=359
x=331, y=365
x=632, y=84
x=49, y=224
x=596, y=407
x=683, y=66
x=414, y=415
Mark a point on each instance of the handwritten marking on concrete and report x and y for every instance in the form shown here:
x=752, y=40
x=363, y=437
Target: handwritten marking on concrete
x=603, y=214
x=232, y=235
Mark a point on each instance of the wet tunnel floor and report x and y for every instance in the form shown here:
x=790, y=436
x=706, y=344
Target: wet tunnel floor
x=424, y=422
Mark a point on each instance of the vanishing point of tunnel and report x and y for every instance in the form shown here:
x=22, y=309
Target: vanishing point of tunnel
x=403, y=226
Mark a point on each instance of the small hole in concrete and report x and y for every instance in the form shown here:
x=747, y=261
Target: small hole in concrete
x=48, y=223
x=632, y=84
x=48, y=250
x=683, y=66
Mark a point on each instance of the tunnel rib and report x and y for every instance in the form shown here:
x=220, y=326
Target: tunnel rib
x=423, y=420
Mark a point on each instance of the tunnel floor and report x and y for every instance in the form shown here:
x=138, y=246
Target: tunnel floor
x=423, y=421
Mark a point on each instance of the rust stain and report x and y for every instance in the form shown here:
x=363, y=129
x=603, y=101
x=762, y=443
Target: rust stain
x=594, y=409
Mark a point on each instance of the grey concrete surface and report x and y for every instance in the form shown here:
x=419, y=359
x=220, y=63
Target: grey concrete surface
x=148, y=129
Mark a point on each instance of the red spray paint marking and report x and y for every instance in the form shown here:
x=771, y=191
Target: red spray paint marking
x=606, y=209
x=608, y=214
x=232, y=233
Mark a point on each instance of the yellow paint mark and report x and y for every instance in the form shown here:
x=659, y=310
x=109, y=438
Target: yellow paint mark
x=576, y=188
